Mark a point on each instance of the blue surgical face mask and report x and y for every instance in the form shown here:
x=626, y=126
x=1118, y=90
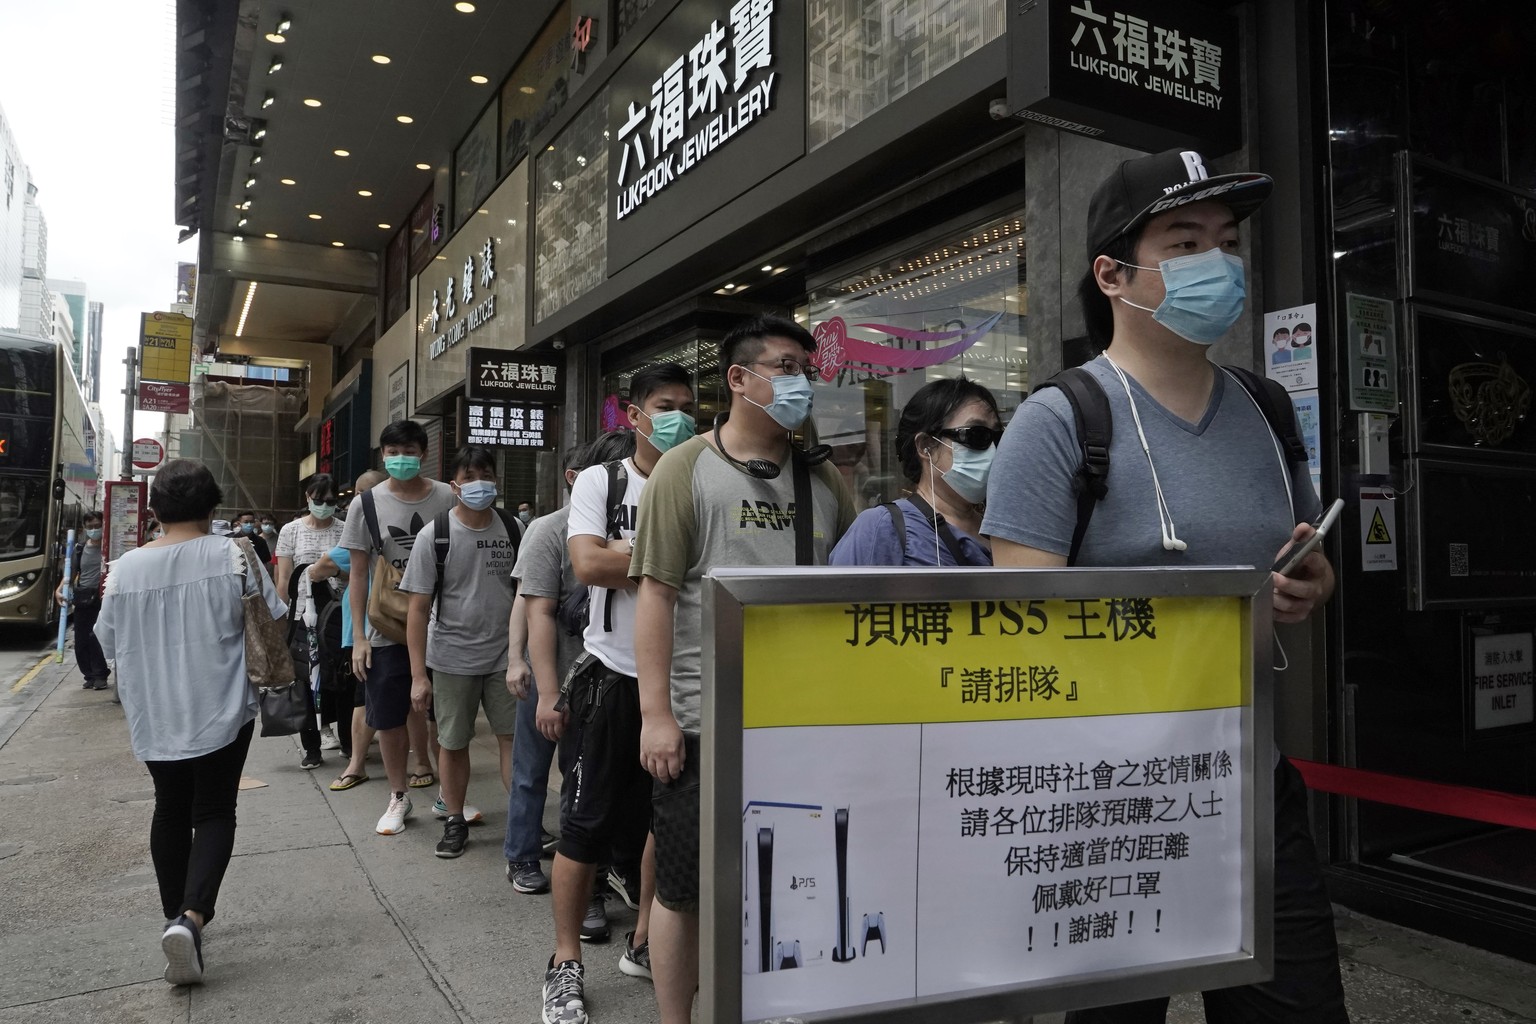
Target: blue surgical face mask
x=402, y=467
x=322, y=509
x=670, y=429
x=968, y=471
x=1203, y=295
x=477, y=494
x=247, y=527
x=791, y=402
x=93, y=534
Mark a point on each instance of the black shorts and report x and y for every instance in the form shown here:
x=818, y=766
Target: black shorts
x=609, y=812
x=675, y=823
x=389, y=687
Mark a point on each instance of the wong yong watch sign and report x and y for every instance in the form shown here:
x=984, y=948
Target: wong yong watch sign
x=710, y=104
x=1149, y=74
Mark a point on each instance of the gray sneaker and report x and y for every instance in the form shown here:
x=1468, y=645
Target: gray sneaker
x=636, y=961
x=594, y=926
x=526, y=877
x=564, y=996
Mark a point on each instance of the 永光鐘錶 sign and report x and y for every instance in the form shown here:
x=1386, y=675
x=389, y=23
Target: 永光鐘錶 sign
x=516, y=377
x=1149, y=74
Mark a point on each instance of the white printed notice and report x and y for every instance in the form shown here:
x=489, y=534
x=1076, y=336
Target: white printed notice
x=1291, y=343
x=1502, y=681
x=941, y=798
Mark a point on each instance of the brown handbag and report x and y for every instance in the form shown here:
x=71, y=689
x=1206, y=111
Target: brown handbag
x=267, y=661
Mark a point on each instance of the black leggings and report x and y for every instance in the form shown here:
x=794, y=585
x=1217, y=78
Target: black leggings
x=192, y=834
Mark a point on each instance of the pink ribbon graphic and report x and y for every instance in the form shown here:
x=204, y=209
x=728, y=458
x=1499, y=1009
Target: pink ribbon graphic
x=835, y=350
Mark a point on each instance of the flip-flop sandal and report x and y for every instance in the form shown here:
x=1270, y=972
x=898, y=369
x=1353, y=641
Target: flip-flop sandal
x=347, y=781
x=422, y=781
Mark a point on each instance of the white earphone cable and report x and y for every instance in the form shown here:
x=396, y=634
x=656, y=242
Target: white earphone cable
x=1170, y=537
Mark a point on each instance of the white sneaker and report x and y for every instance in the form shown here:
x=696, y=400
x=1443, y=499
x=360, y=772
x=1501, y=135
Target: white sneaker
x=393, y=822
x=472, y=814
x=328, y=739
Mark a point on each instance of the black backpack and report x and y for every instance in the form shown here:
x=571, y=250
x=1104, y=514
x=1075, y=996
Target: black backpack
x=573, y=611
x=441, y=540
x=1095, y=429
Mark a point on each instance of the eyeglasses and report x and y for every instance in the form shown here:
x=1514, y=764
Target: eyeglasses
x=975, y=437
x=790, y=366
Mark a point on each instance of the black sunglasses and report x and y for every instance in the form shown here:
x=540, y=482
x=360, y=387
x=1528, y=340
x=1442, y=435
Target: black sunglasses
x=975, y=437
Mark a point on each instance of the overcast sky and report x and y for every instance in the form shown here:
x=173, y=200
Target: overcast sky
x=88, y=88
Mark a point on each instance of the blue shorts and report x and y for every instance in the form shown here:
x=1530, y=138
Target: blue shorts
x=389, y=687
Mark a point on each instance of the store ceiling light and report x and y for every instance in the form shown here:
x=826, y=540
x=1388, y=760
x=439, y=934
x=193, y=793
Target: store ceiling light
x=479, y=79
x=275, y=66
x=288, y=181
x=341, y=152
x=311, y=102
x=423, y=167
x=242, y=222
x=464, y=7
x=276, y=37
x=238, y=238
x=768, y=269
x=364, y=193
x=250, y=182
x=267, y=101
x=245, y=310
x=255, y=159
x=379, y=58
x=271, y=234
x=384, y=227
x=284, y=23
x=404, y=118
x=526, y=90
x=338, y=244
x=314, y=216
x=260, y=134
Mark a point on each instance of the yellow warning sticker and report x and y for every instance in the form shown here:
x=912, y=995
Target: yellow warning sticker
x=1378, y=533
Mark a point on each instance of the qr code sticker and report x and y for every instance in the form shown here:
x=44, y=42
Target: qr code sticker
x=1459, y=560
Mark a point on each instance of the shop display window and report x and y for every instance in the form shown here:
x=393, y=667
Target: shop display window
x=572, y=218
x=537, y=88
x=474, y=167
x=954, y=305
x=866, y=54
x=699, y=356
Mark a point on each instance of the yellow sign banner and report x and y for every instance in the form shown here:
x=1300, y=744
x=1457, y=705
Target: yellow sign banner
x=978, y=661
x=165, y=348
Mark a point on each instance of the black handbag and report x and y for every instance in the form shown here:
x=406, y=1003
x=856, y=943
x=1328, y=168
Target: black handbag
x=284, y=709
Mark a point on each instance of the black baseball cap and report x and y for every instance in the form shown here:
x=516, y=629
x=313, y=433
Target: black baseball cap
x=1143, y=187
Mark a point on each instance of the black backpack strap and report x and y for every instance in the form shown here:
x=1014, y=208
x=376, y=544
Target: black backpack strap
x=1095, y=429
x=805, y=510
x=1275, y=404
x=940, y=526
x=514, y=528
x=618, y=485
x=440, y=542
x=371, y=519
x=899, y=521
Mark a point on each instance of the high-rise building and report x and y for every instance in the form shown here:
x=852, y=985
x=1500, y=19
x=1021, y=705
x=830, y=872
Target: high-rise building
x=92, y=380
x=14, y=179
x=36, y=299
x=72, y=294
x=62, y=325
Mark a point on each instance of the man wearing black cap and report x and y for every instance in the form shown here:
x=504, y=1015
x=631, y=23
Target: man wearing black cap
x=1197, y=477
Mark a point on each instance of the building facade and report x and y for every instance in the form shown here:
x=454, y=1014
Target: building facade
x=36, y=316
x=13, y=224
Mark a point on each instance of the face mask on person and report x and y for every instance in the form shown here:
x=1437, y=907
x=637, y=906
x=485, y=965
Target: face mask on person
x=669, y=429
x=477, y=494
x=791, y=402
x=322, y=509
x=93, y=533
x=268, y=528
x=526, y=516
x=1203, y=295
x=968, y=471
x=402, y=467
x=247, y=528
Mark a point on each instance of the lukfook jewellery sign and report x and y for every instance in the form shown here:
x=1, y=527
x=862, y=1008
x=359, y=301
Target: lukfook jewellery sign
x=457, y=309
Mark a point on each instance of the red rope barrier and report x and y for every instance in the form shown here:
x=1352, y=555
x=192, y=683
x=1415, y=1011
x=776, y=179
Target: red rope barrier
x=1485, y=805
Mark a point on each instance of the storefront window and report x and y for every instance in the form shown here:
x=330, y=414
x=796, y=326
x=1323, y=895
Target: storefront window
x=627, y=12
x=866, y=54
x=537, y=88
x=955, y=305
x=572, y=231
x=699, y=356
x=474, y=167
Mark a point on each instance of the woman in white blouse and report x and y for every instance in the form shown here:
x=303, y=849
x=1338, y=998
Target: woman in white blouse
x=171, y=617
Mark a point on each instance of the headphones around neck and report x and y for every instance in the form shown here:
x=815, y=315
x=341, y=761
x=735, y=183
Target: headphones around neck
x=764, y=469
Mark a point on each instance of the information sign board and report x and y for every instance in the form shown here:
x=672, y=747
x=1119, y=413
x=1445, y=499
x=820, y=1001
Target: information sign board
x=126, y=500
x=147, y=454
x=494, y=424
x=1502, y=680
x=982, y=794
x=165, y=347
x=157, y=397
x=516, y=376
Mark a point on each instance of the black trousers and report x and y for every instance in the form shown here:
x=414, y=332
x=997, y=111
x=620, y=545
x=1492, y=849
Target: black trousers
x=192, y=834
x=1306, y=988
x=93, y=664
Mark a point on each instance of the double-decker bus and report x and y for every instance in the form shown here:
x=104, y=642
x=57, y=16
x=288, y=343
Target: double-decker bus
x=44, y=472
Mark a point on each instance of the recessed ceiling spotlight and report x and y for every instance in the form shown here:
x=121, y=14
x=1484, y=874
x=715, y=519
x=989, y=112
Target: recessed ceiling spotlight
x=288, y=181
x=250, y=182
x=341, y=152
x=479, y=79
x=338, y=244
x=526, y=90
x=404, y=118
x=271, y=234
x=314, y=216
x=728, y=286
x=276, y=37
x=384, y=227
x=364, y=193
x=284, y=23
x=768, y=268
x=242, y=222
x=423, y=167
x=238, y=238
x=255, y=159
x=379, y=58
x=275, y=66
x=311, y=102
x=267, y=101
x=261, y=133
x=464, y=7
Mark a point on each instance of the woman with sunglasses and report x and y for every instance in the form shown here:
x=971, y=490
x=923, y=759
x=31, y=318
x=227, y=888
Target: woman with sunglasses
x=945, y=441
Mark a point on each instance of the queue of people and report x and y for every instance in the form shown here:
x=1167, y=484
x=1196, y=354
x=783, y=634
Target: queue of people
x=578, y=634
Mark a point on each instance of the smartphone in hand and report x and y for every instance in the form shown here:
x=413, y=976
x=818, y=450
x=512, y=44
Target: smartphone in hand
x=1292, y=556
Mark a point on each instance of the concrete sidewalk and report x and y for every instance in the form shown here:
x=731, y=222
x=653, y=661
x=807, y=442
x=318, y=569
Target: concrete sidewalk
x=321, y=919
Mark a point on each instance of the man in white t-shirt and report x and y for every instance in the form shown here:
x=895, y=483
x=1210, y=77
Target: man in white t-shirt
x=611, y=809
x=303, y=542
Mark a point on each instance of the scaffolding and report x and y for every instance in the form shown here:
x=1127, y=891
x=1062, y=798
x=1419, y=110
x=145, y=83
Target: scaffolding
x=244, y=434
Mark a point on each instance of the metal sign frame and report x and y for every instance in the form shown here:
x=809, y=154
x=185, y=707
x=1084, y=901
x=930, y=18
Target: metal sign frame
x=727, y=595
